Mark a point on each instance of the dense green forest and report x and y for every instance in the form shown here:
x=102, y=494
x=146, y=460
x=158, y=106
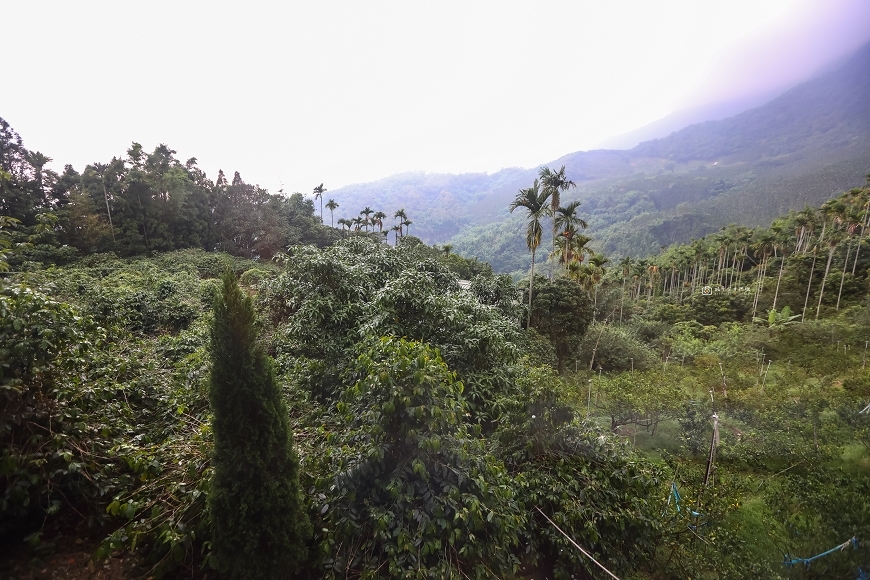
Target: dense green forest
x=202, y=378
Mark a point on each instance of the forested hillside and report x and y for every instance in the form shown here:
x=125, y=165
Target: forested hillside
x=141, y=203
x=802, y=147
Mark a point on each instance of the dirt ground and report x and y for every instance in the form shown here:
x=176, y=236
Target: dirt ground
x=64, y=552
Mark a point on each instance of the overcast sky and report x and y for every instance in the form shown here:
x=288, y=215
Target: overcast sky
x=292, y=94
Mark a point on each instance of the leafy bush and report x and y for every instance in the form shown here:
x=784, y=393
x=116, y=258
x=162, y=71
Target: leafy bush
x=613, y=348
x=819, y=508
x=718, y=308
x=561, y=311
x=41, y=339
x=254, y=276
x=587, y=481
x=406, y=489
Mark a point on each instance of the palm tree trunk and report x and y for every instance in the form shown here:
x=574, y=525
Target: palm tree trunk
x=531, y=282
x=758, y=278
x=860, y=239
x=778, y=279
x=825, y=278
x=622, y=299
x=843, y=277
x=809, y=285
x=762, y=275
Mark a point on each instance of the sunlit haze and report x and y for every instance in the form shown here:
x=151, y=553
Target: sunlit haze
x=295, y=94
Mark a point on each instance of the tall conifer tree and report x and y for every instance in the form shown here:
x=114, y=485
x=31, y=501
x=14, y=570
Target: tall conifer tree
x=259, y=525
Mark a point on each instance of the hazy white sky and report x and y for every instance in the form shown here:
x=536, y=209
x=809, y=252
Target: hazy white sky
x=294, y=94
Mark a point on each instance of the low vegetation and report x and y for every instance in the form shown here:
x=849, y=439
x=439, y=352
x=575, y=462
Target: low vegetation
x=701, y=413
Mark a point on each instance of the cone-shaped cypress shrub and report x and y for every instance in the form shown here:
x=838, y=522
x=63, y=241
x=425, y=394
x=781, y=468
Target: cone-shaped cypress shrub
x=259, y=525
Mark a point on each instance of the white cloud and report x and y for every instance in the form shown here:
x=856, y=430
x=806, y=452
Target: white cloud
x=296, y=94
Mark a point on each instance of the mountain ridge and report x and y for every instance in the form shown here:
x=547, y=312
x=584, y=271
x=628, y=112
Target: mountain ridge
x=817, y=132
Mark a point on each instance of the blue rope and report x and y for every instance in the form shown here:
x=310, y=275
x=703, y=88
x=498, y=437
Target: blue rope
x=853, y=541
x=677, y=498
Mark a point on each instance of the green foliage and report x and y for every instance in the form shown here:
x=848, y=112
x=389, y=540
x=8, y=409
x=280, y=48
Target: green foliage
x=776, y=319
x=107, y=421
x=142, y=203
x=690, y=340
x=718, y=308
x=639, y=399
x=615, y=348
x=42, y=339
x=255, y=275
x=695, y=428
x=820, y=508
x=561, y=311
x=407, y=489
x=717, y=541
x=258, y=524
x=6, y=224
x=498, y=291
x=327, y=300
x=589, y=484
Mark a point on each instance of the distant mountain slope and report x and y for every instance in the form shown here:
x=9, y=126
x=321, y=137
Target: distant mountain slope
x=810, y=142
x=683, y=118
x=435, y=202
x=823, y=112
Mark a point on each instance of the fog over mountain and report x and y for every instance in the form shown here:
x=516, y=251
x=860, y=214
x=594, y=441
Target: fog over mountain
x=295, y=94
x=801, y=147
x=683, y=118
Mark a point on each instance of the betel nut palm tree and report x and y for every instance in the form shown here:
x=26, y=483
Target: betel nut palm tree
x=534, y=201
x=331, y=206
x=378, y=218
x=553, y=183
x=367, y=212
x=401, y=216
x=318, y=194
x=566, y=221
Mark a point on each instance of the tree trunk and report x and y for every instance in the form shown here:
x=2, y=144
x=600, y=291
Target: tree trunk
x=860, y=239
x=531, y=282
x=778, y=279
x=825, y=278
x=809, y=285
x=144, y=224
x=108, y=211
x=622, y=299
x=759, y=281
x=843, y=277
